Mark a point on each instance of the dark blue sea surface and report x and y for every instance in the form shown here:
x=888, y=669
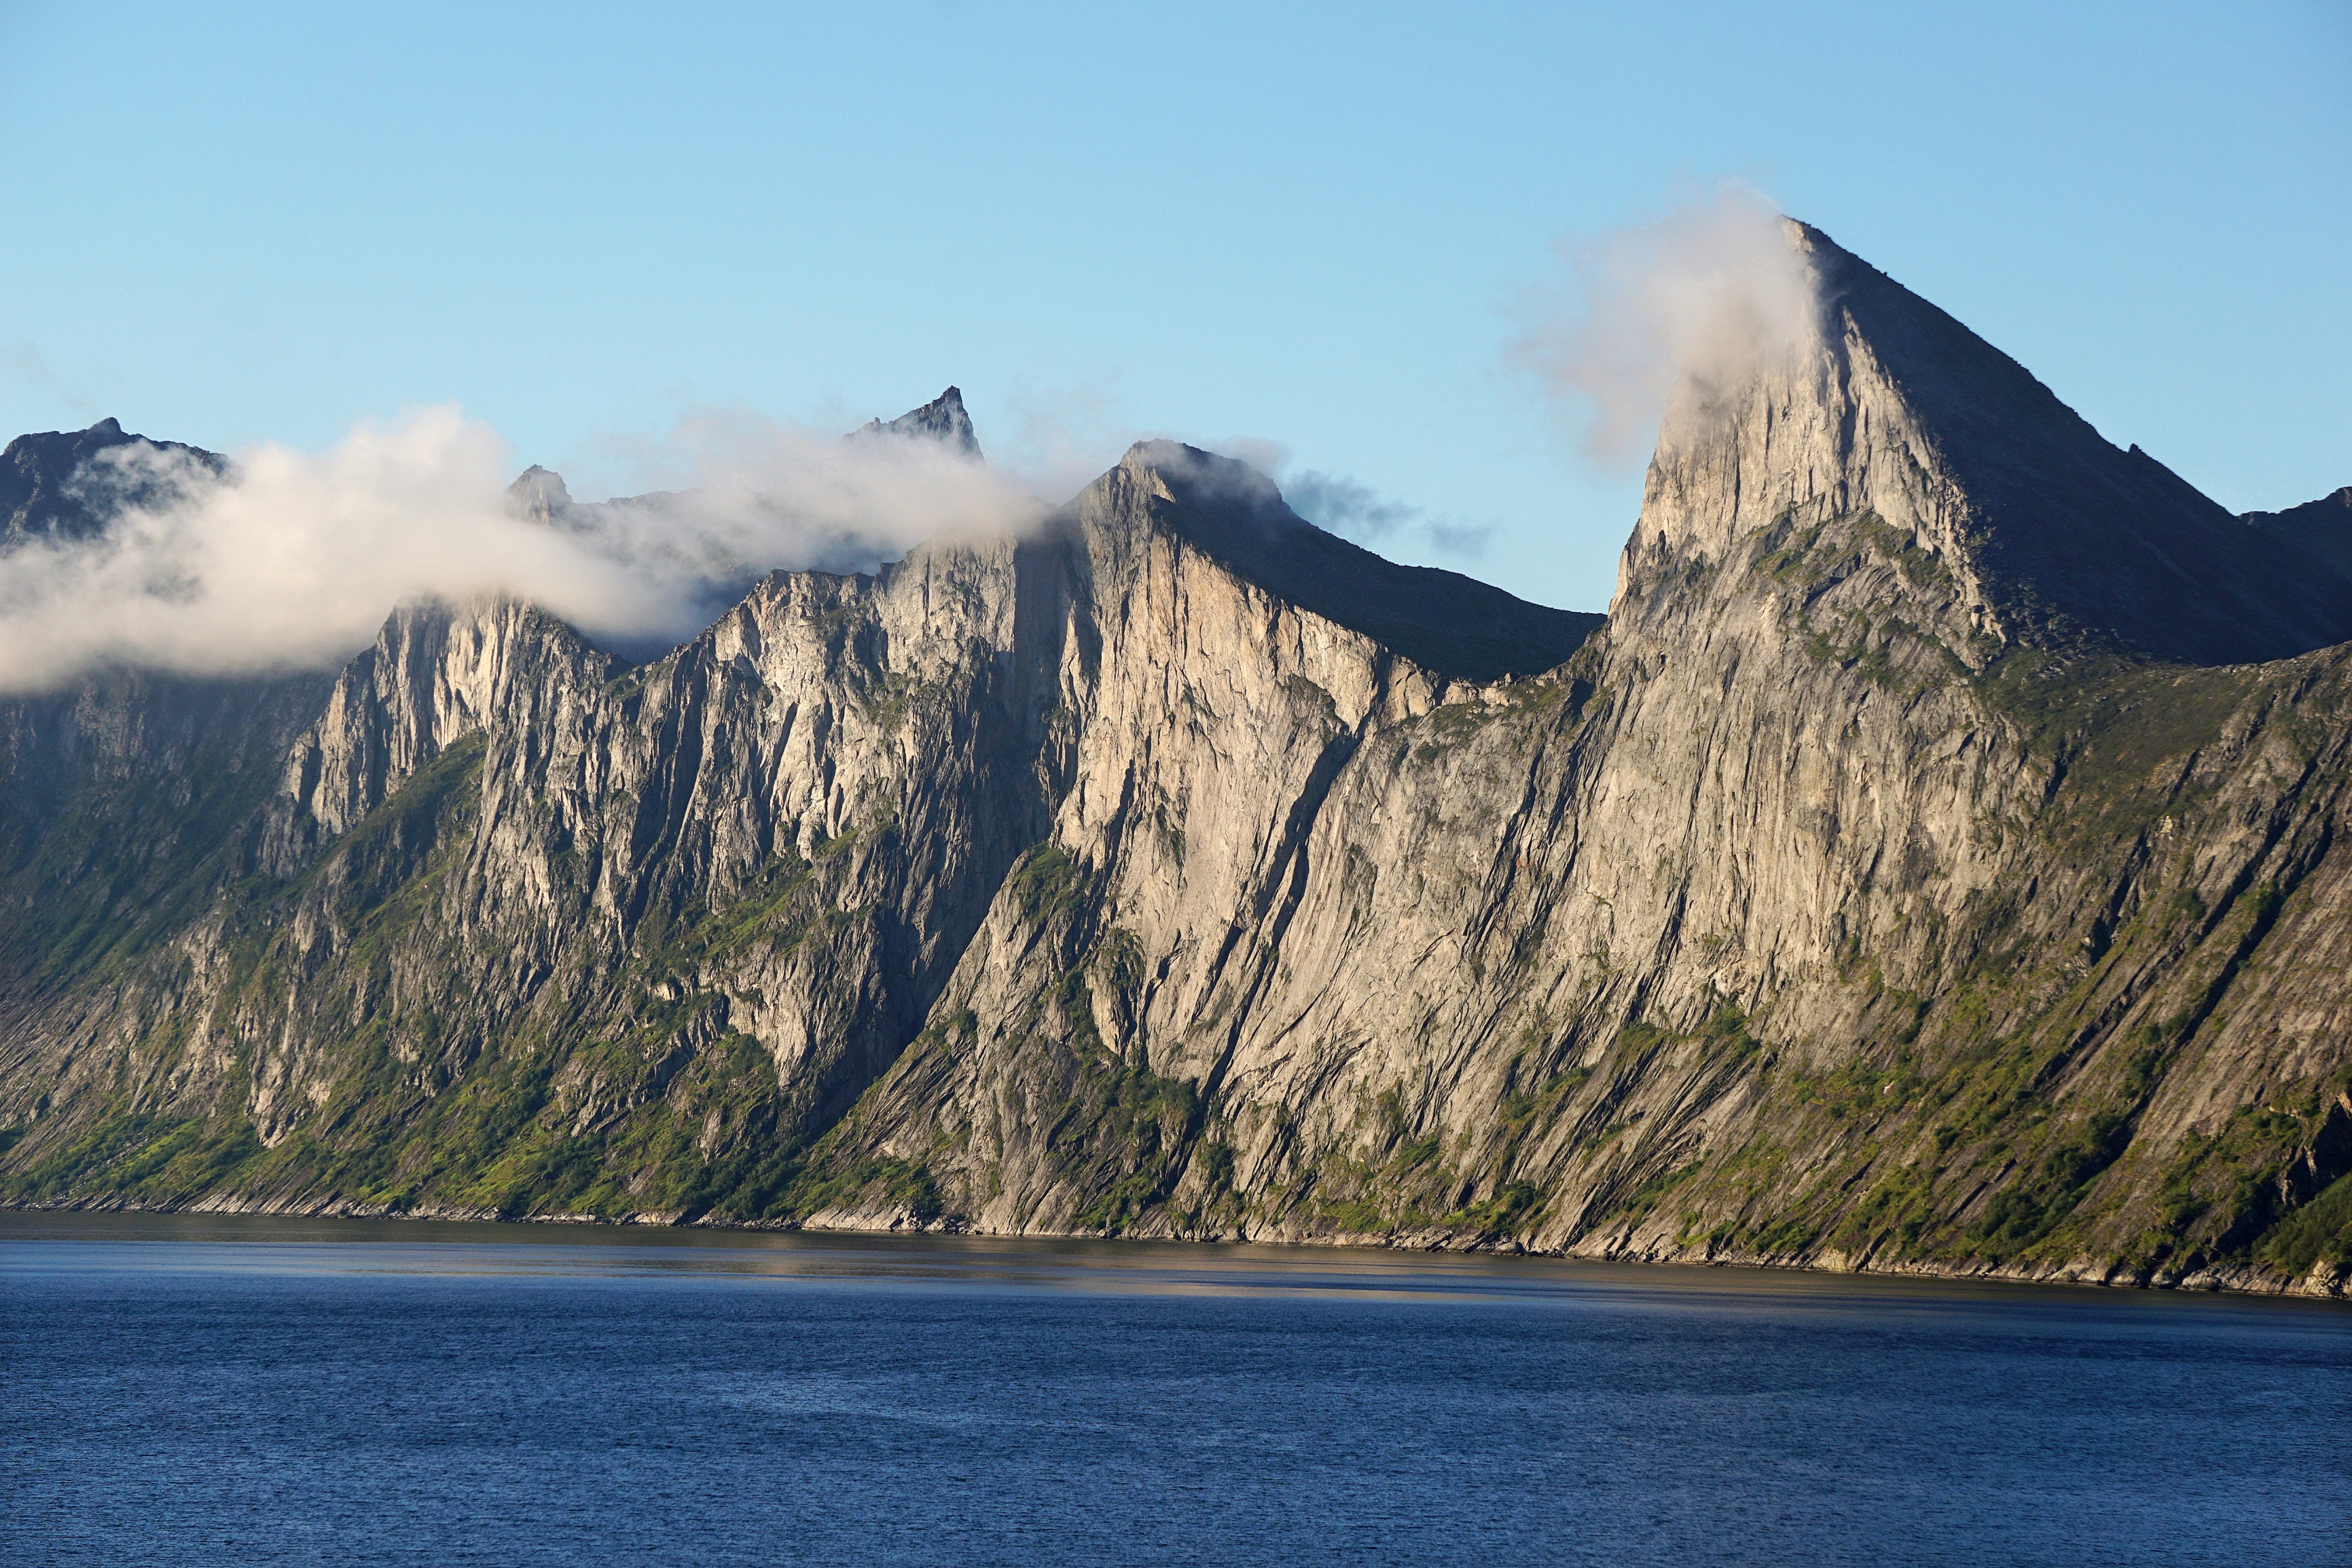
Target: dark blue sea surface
x=201, y=1390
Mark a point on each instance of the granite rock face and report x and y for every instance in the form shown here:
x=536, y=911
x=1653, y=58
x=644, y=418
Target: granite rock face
x=1936, y=861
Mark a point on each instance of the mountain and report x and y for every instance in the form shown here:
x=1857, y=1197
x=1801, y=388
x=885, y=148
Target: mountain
x=942, y=419
x=2054, y=538
x=62, y=485
x=1937, y=861
x=541, y=496
x=2321, y=529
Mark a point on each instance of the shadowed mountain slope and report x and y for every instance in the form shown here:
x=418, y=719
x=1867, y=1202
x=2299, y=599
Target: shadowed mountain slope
x=1446, y=623
x=2321, y=529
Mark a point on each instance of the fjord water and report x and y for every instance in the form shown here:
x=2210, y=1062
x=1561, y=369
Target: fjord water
x=200, y=1390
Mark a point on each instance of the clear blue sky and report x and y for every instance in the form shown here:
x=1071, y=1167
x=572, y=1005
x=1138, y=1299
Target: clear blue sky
x=231, y=222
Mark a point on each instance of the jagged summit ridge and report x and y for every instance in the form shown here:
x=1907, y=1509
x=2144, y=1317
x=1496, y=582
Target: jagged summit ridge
x=542, y=494
x=942, y=419
x=2321, y=529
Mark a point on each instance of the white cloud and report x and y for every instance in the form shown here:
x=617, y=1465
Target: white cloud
x=1703, y=298
x=1341, y=505
x=295, y=557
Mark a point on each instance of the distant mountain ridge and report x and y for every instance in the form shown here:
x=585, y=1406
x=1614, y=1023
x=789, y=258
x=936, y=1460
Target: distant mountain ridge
x=2321, y=529
x=1939, y=860
x=942, y=419
x=51, y=489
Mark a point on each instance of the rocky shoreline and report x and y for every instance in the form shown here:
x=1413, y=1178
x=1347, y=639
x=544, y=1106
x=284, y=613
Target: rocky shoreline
x=2323, y=1283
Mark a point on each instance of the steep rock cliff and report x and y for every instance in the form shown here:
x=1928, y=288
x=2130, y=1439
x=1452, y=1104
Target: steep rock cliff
x=1904, y=877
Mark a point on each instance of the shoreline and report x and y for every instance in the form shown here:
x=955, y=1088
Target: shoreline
x=2321, y=1285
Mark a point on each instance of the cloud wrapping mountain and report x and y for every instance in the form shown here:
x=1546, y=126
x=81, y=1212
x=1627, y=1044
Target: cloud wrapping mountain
x=1703, y=298
x=290, y=559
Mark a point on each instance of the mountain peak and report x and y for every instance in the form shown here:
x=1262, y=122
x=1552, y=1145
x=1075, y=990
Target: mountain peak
x=45, y=493
x=1448, y=624
x=2046, y=533
x=539, y=495
x=942, y=419
x=1205, y=475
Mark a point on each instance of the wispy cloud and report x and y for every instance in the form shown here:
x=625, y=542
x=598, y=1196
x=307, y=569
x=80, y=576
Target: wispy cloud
x=1340, y=504
x=24, y=360
x=1702, y=298
x=293, y=558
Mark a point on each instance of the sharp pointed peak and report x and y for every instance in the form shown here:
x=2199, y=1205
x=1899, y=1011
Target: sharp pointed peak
x=943, y=420
x=2051, y=535
x=539, y=494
